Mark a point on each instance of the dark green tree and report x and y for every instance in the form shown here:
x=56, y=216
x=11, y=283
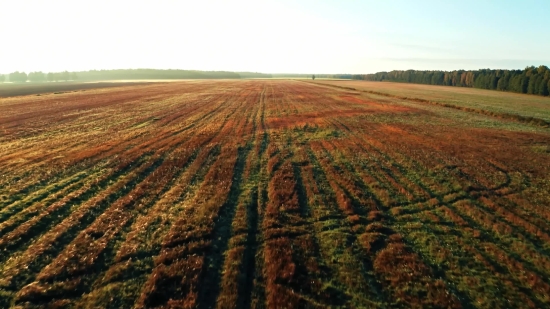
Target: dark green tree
x=493, y=82
x=531, y=86
x=51, y=77
x=515, y=83
x=313, y=76
x=542, y=69
x=543, y=87
x=524, y=83
x=503, y=82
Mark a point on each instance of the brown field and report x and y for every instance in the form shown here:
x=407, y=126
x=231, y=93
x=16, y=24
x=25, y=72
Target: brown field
x=270, y=194
x=11, y=90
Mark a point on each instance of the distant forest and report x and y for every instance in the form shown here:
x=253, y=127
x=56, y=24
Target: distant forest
x=531, y=80
x=97, y=75
x=133, y=74
x=164, y=74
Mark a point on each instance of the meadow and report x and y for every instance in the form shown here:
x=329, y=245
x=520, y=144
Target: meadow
x=274, y=194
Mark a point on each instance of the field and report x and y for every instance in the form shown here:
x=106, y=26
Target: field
x=527, y=108
x=272, y=194
x=12, y=90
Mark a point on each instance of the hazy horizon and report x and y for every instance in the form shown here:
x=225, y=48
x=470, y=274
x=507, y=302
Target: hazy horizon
x=327, y=37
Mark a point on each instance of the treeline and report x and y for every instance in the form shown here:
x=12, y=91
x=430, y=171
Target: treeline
x=152, y=74
x=36, y=77
x=531, y=80
x=133, y=74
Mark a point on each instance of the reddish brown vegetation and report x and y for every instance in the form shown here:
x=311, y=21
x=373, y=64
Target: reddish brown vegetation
x=273, y=194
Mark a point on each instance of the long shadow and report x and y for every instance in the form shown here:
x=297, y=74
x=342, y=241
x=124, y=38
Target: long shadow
x=72, y=233
x=367, y=265
x=24, y=192
x=438, y=271
x=301, y=191
x=107, y=260
x=10, y=210
x=403, y=170
x=46, y=223
x=47, y=198
x=214, y=260
x=246, y=283
x=332, y=297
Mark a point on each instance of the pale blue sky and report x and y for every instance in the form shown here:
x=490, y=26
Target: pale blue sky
x=300, y=36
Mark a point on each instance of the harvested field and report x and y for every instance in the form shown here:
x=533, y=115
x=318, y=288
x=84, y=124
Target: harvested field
x=269, y=194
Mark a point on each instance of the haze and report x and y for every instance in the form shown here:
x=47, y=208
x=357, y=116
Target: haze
x=273, y=36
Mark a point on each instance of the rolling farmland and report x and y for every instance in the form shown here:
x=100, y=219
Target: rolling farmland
x=271, y=194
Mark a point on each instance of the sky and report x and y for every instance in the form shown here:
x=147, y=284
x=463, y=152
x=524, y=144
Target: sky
x=282, y=36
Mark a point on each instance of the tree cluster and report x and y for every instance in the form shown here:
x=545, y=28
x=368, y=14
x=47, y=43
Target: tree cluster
x=18, y=77
x=37, y=77
x=531, y=80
